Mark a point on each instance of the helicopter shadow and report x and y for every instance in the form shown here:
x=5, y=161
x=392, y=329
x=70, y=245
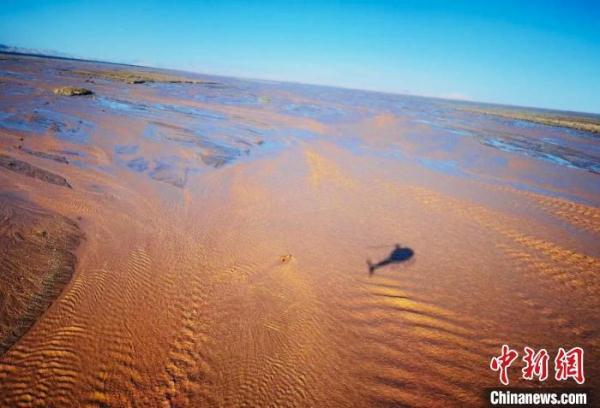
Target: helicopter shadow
x=398, y=255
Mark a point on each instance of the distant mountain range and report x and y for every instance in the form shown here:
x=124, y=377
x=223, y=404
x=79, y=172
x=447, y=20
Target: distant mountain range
x=32, y=51
x=9, y=49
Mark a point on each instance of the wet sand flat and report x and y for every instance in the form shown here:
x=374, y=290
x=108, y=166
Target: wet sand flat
x=229, y=225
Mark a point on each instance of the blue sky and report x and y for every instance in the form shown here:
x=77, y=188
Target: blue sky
x=544, y=54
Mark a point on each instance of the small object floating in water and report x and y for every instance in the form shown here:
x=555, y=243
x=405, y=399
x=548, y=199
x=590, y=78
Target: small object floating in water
x=72, y=91
x=285, y=258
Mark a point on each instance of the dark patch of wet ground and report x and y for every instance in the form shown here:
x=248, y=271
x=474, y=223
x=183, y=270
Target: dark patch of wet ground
x=36, y=262
x=38, y=121
x=45, y=155
x=26, y=169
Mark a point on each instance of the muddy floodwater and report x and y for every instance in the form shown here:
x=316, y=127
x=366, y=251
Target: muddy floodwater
x=221, y=242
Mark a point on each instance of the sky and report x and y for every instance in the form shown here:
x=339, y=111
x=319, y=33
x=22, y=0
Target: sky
x=529, y=53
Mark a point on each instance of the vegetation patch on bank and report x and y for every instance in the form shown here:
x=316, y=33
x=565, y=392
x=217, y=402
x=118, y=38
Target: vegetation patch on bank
x=577, y=122
x=72, y=91
x=136, y=77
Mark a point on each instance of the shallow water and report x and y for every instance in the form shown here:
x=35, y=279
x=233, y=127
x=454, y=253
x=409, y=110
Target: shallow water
x=229, y=227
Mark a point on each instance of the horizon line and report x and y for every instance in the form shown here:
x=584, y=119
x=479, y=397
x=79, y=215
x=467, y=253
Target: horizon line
x=16, y=50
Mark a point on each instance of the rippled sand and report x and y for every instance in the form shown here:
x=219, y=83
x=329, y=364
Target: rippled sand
x=191, y=196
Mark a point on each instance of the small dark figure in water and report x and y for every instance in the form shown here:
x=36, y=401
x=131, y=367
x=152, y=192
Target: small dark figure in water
x=398, y=255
